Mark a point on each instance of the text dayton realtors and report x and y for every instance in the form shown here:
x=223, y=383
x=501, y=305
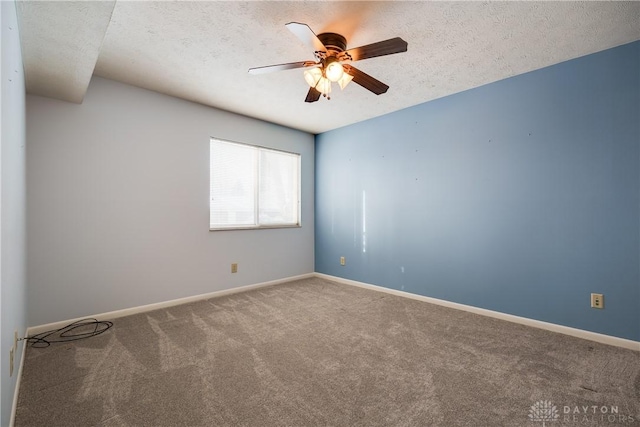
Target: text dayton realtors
x=582, y=414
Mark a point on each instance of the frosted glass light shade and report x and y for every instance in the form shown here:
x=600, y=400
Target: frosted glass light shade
x=344, y=80
x=312, y=76
x=324, y=85
x=334, y=71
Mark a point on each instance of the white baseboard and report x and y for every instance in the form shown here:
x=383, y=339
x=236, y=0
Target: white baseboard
x=33, y=330
x=579, y=333
x=14, y=406
x=574, y=332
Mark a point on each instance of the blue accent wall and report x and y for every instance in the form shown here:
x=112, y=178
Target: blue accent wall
x=520, y=196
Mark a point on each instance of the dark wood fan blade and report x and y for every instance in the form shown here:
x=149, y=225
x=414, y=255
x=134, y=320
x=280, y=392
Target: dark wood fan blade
x=280, y=67
x=386, y=47
x=365, y=80
x=313, y=95
x=307, y=36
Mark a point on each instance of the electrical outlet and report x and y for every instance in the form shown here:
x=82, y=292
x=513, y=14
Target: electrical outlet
x=597, y=301
x=342, y=261
x=11, y=353
x=234, y=268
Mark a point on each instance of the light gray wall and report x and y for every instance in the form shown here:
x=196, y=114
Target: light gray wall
x=12, y=204
x=118, y=191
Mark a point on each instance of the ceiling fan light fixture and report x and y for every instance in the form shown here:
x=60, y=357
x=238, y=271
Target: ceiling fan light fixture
x=334, y=70
x=312, y=76
x=330, y=50
x=344, y=80
x=324, y=86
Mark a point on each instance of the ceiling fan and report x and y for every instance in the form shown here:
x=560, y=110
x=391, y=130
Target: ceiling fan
x=331, y=61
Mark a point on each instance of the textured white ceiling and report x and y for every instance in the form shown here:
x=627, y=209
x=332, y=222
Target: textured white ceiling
x=60, y=45
x=201, y=51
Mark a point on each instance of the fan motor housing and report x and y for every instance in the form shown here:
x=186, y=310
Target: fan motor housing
x=333, y=41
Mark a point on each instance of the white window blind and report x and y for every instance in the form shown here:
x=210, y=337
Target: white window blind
x=253, y=187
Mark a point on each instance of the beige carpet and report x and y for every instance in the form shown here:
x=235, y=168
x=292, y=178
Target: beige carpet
x=313, y=352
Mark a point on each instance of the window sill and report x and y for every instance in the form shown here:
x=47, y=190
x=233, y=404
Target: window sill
x=254, y=227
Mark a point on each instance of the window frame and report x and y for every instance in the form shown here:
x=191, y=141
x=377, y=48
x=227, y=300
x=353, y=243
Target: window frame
x=257, y=225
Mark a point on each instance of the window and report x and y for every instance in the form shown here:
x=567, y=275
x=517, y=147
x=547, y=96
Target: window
x=253, y=187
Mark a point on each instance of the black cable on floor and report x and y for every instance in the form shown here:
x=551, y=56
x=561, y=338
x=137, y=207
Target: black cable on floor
x=69, y=333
